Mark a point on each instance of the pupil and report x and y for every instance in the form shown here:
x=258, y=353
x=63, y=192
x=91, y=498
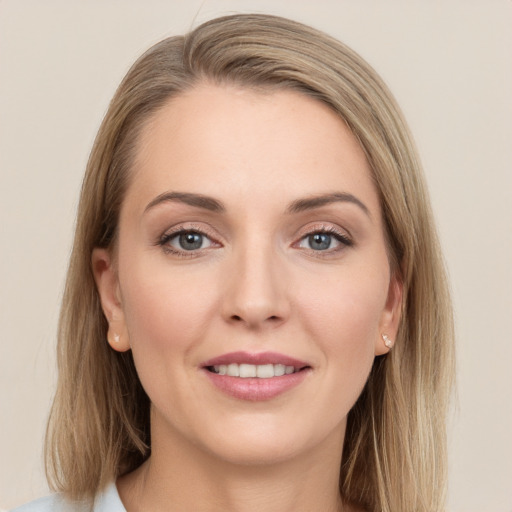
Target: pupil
x=320, y=241
x=191, y=241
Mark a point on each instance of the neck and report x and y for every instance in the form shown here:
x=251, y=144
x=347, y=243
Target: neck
x=181, y=476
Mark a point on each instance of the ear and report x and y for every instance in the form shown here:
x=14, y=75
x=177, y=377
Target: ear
x=390, y=318
x=107, y=284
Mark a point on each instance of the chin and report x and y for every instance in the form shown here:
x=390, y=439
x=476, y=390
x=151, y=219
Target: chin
x=267, y=442
x=257, y=452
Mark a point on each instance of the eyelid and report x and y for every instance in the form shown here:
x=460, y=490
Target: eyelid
x=200, y=227
x=324, y=227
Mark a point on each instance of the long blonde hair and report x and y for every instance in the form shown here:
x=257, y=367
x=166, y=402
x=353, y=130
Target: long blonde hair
x=394, y=455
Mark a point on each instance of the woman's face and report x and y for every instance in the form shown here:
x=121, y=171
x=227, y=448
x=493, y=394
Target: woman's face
x=250, y=242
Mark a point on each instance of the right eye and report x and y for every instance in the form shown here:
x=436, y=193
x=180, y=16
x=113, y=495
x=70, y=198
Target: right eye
x=189, y=241
x=185, y=242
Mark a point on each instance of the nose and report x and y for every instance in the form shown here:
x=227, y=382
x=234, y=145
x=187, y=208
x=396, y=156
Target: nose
x=256, y=290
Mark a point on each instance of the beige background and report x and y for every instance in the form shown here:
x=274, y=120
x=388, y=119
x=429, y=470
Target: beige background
x=449, y=64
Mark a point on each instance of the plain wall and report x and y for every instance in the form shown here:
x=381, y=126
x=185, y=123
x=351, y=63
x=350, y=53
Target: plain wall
x=449, y=65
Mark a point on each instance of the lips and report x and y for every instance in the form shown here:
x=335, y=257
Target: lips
x=255, y=377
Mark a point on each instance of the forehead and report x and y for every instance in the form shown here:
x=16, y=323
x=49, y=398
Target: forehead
x=274, y=143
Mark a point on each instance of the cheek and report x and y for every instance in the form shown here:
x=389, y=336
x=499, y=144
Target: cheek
x=345, y=317
x=342, y=321
x=166, y=318
x=164, y=310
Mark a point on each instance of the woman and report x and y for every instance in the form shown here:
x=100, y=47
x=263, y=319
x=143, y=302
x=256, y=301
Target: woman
x=256, y=314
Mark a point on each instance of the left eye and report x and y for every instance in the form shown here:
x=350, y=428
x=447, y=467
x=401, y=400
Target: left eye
x=189, y=241
x=321, y=241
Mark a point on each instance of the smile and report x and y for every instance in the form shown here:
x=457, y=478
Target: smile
x=255, y=377
x=260, y=371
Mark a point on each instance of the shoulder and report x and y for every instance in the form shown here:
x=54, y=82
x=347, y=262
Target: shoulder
x=54, y=503
x=107, y=501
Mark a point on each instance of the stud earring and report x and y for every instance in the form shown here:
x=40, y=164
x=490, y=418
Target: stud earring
x=387, y=341
x=116, y=338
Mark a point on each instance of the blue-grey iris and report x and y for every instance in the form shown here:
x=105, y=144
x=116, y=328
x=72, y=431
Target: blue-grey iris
x=319, y=241
x=191, y=241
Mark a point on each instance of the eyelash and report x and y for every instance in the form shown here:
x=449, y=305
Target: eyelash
x=339, y=236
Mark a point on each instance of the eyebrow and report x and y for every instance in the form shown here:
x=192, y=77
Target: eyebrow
x=310, y=203
x=198, y=200
x=297, y=206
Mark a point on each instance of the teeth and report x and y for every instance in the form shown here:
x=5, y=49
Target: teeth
x=233, y=370
x=265, y=371
x=261, y=371
x=279, y=369
x=246, y=370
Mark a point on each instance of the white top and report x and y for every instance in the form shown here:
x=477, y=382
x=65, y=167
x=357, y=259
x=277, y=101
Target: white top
x=108, y=501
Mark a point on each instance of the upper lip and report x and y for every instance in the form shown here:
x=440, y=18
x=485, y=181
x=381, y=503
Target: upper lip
x=256, y=359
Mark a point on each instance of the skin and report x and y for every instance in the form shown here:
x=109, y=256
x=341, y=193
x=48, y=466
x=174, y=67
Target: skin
x=256, y=284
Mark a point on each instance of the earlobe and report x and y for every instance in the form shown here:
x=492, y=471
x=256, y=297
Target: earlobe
x=118, y=341
x=390, y=319
x=107, y=284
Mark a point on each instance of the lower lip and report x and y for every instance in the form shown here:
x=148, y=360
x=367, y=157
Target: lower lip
x=255, y=389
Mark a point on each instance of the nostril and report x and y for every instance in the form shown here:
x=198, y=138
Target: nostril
x=238, y=318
